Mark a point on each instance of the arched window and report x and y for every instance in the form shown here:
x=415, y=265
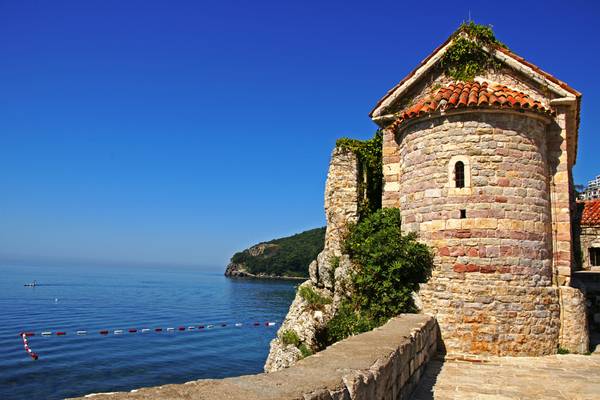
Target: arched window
x=459, y=174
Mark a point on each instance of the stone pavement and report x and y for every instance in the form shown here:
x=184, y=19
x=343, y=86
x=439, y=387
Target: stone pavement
x=573, y=377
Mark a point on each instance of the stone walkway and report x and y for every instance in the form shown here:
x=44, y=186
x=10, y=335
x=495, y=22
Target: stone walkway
x=572, y=377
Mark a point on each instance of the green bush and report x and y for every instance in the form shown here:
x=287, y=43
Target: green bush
x=391, y=267
x=290, y=337
x=315, y=300
x=465, y=58
x=391, y=264
x=304, y=350
x=348, y=321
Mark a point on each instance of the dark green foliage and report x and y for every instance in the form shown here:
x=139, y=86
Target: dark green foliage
x=563, y=351
x=466, y=58
x=289, y=257
x=304, y=350
x=315, y=300
x=392, y=264
x=348, y=321
x=290, y=337
x=370, y=186
x=391, y=267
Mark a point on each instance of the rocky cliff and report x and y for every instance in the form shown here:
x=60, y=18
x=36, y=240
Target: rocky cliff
x=329, y=273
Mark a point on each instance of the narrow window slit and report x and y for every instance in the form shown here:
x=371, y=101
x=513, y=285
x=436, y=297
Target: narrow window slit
x=459, y=174
x=463, y=214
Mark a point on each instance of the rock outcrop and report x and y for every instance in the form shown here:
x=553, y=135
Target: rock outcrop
x=330, y=272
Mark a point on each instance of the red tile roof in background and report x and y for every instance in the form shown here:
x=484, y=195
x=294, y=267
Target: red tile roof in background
x=472, y=94
x=591, y=213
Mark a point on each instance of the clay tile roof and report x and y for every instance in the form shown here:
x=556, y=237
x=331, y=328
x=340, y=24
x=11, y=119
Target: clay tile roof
x=591, y=213
x=471, y=94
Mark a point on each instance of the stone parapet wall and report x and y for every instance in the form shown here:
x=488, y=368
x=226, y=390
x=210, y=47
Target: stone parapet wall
x=386, y=363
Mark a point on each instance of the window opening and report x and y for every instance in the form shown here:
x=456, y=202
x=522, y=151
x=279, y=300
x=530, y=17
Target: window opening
x=459, y=174
x=595, y=257
x=463, y=214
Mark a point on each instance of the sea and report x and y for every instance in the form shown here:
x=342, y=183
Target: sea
x=73, y=298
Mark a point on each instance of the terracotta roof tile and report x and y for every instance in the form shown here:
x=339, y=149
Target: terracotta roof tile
x=591, y=213
x=471, y=94
x=500, y=49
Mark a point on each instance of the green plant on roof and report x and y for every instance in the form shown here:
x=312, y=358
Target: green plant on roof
x=466, y=57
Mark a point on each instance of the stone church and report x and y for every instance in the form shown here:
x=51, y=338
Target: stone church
x=481, y=171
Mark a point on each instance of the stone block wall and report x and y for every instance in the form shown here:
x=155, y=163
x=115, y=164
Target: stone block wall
x=491, y=289
x=341, y=197
x=589, y=237
x=386, y=363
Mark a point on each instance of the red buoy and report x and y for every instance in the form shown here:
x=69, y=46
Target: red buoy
x=104, y=332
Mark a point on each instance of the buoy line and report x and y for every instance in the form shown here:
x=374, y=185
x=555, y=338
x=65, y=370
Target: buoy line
x=26, y=345
x=130, y=331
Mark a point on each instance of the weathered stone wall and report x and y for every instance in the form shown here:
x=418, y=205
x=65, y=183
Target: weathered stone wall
x=385, y=363
x=330, y=272
x=491, y=288
x=574, y=335
x=341, y=197
x=589, y=237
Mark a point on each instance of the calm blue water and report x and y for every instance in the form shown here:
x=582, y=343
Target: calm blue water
x=130, y=297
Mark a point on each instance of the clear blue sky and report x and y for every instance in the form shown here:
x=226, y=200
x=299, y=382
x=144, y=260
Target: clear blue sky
x=182, y=131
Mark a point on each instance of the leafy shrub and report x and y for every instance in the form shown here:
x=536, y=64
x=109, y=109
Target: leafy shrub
x=304, y=350
x=391, y=267
x=563, y=351
x=315, y=300
x=290, y=337
x=391, y=264
x=465, y=58
x=346, y=322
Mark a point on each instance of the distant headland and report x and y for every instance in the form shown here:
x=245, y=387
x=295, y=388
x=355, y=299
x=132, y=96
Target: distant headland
x=283, y=258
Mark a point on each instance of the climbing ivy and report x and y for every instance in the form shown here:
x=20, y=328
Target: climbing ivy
x=466, y=58
x=370, y=183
